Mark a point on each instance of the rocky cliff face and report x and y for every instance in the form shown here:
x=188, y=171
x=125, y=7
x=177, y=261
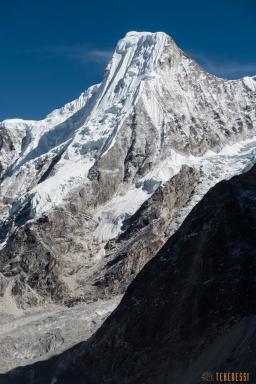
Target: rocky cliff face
x=49, y=260
x=189, y=311
x=90, y=193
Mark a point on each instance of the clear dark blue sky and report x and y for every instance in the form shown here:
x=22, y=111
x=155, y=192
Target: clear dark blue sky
x=51, y=50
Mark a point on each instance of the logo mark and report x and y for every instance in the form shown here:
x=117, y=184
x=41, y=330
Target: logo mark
x=207, y=376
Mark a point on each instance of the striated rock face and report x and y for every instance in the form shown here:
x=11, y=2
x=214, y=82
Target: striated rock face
x=190, y=310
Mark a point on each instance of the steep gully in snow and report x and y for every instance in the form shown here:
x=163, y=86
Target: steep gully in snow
x=91, y=193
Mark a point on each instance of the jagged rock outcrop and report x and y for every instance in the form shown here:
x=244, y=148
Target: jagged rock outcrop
x=189, y=311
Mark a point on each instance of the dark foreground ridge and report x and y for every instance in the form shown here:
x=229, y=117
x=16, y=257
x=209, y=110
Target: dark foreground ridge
x=190, y=310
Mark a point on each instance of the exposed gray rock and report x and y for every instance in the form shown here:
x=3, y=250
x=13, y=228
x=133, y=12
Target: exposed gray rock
x=55, y=258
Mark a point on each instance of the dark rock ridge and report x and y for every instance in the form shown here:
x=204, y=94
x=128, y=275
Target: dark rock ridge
x=190, y=310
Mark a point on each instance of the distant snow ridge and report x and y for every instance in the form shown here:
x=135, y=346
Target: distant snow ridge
x=155, y=110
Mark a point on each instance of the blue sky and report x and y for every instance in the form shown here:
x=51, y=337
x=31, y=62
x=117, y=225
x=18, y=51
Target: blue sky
x=52, y=50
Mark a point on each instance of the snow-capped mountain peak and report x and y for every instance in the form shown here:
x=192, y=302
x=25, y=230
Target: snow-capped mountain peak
x=154, y=105
x=90, y=193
